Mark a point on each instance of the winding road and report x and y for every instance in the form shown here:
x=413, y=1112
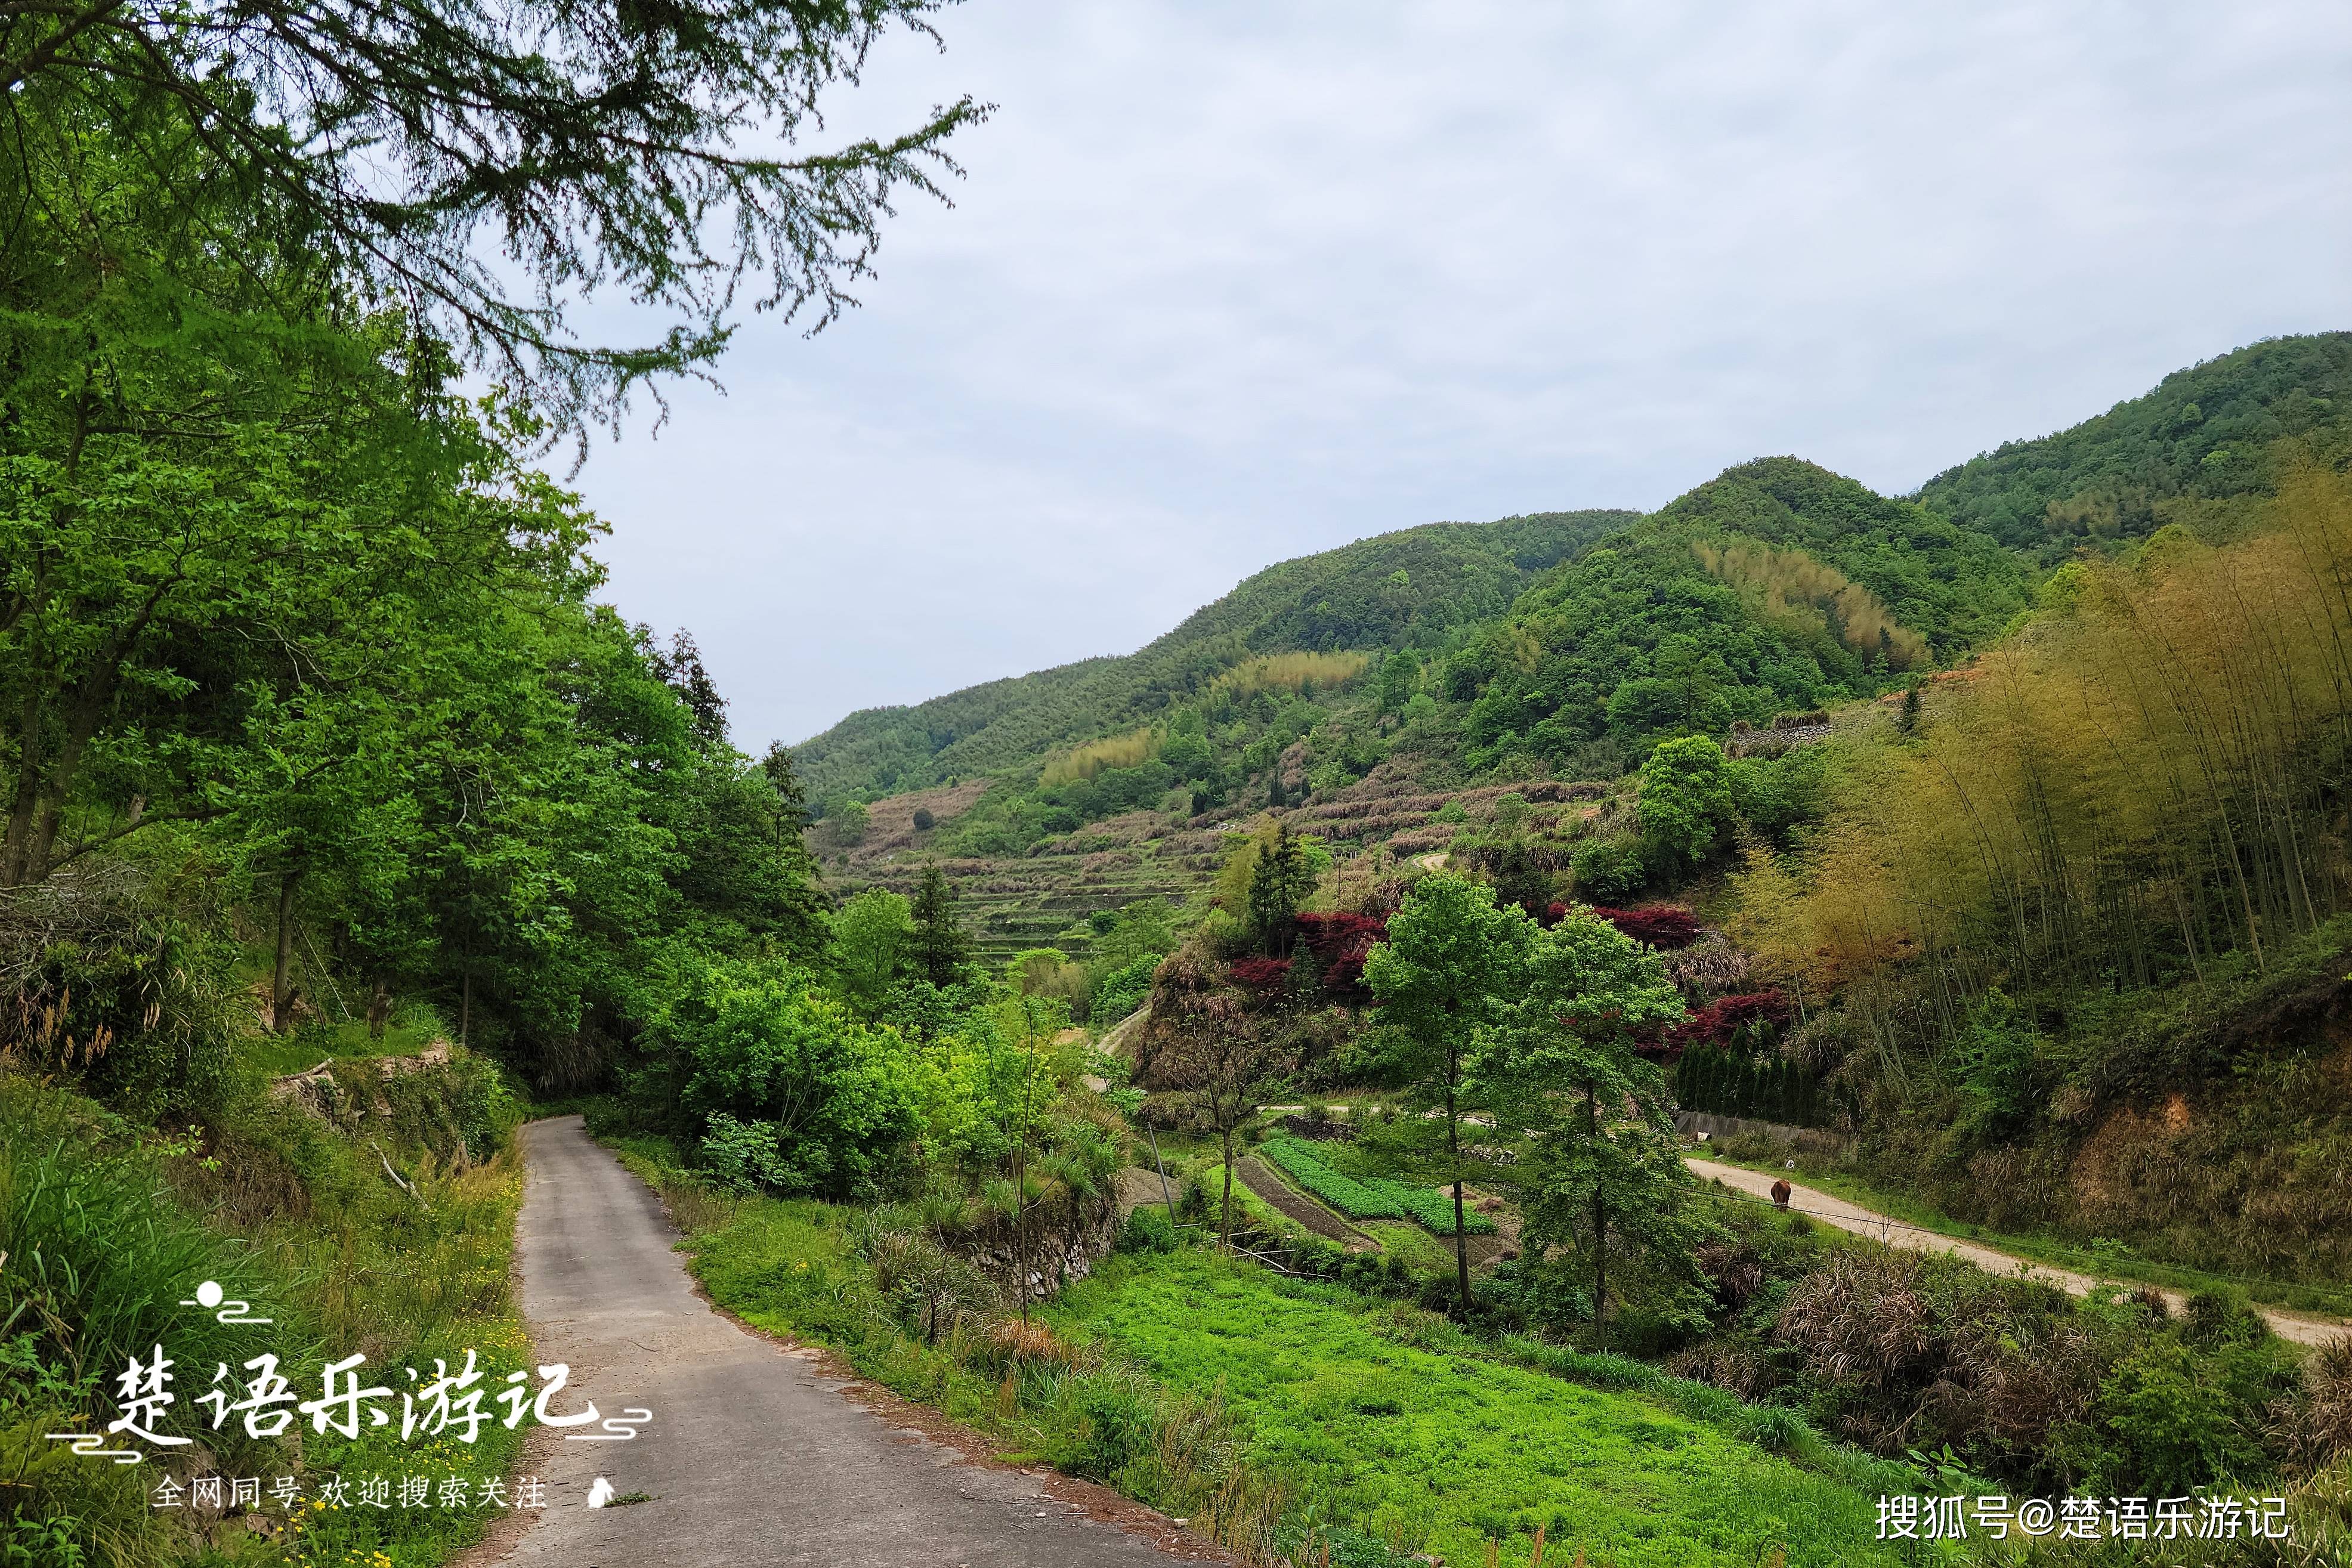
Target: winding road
x=1846, y=1216
x=757, y=1454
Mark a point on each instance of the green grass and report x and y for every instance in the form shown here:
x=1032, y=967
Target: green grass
x=1437, y=1450
x=1422, y=1251
x=2102, y=1262
x=107, y=1225
x=1248, y=1207
x=409, y=1030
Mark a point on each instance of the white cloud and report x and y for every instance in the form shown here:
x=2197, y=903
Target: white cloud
x=1228, y=284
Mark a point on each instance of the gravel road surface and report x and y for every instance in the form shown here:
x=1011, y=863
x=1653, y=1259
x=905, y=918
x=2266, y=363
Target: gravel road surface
x=756, y=1454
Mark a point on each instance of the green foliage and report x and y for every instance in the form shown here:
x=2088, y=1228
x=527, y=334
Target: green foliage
x=873, y=935
x=1637, y=639
x=1433, y=1211
x=1609, y=869
x=1279, y=883
x=106, y=1225
x=1147, y=1229
x=939, y=948
x=450, y=108
x=1355, y=1200
x=1120, y=992
x=1687, y=799
x=1606, y=1179
x=795, y=1095
x=2206, y=433
x=1457, y=574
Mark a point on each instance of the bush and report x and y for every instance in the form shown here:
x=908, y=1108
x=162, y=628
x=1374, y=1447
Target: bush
x=1147, y=1230
x=1608, y=868
x=924, y=820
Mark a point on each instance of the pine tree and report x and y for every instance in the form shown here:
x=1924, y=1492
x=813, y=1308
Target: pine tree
x=939, y=948
x=1278, y=887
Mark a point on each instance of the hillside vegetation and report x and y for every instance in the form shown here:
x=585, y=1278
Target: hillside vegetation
x=1410, y=588
x=2205, y=434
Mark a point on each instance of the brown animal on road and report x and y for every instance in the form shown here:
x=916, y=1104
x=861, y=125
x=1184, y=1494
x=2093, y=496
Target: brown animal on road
x=1780, y=1195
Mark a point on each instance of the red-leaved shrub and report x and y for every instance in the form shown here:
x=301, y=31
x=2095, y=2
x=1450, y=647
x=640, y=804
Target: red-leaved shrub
x=1725, y=1017
x=1339, y=942
x=1261, y=974
x=1661, y=925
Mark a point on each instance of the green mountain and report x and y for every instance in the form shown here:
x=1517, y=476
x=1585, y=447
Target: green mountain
x=1567, y=643
x=1776, y=586
x=1414, y=588
x=2210, y=432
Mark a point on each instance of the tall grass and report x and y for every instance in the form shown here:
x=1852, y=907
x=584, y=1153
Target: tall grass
x=107, y=1227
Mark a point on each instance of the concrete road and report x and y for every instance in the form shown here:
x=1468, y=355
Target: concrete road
x=755, y=1455
x=1846, y=1216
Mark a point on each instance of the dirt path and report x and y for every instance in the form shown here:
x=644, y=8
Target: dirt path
x=1298, y=1206
x=754, y=1456
x=1845, y=1215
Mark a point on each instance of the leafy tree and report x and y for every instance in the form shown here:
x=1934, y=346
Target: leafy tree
x=1449, y=960
x=1685, y=799
x=1217, y=1044
x=873, y=941
x=1137, y=931
x=1279, y=883
x=1400, y=673
x=795, y=1095
x=1606, y=1168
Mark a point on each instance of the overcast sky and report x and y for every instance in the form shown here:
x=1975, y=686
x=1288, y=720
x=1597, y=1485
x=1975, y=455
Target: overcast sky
x=1230, y=284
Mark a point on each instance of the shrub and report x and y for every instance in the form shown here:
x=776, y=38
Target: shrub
x=924, y=820
x=1608, y=868
x=1147, y=1230
x=1661, y=925
x=2321, y=1424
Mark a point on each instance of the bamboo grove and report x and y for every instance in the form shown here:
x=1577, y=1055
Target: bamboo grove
x=2144, y=777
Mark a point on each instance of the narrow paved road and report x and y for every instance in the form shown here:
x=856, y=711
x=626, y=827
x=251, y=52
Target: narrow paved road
x=1848, y=1216
x=754, y=1456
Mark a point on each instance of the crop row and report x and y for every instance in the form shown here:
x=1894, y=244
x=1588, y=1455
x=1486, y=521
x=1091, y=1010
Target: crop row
x=1433, y=1211
x=1351, y=1198
x=1377, y=1198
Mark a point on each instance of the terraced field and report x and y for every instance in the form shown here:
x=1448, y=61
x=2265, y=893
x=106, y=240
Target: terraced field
x=1014, y=904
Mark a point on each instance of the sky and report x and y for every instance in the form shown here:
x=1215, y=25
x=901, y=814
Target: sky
x=1228, y=284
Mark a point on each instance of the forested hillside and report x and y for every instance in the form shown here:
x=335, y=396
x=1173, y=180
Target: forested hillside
x=1410, y=589
x=2204, y=434
x=1776, y=586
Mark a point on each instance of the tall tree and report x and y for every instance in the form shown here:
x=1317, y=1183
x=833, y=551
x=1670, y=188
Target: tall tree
x=1279, y=883
x=489, y=167
x=1563, y=1067
x=939, y=948
x=1440, y=980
